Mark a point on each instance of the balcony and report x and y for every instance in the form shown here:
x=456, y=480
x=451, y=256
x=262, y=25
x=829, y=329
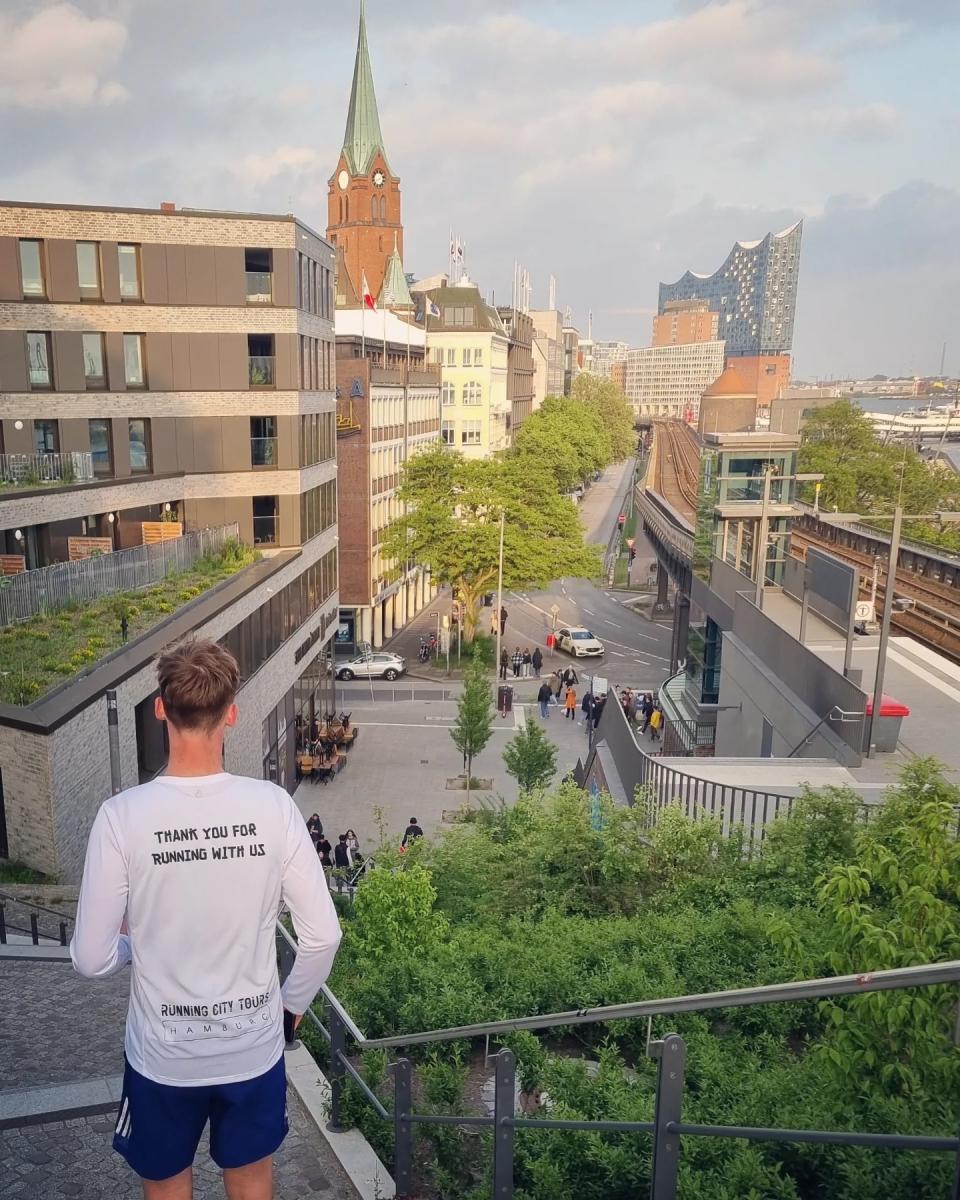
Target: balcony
x=259, y=287
x=265, y=531
x=260, y=370
x=263, y=452
x=34, y=470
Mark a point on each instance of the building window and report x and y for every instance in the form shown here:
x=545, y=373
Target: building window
x=101, y=446
x=470, y=434
x=451, y=356
x=258, y=265
x=478, y=357
x=129, y=272
x=448, y=433
x=263, y=441
x=141, y=450
x=38, y=360
x=260, y=359
x=265, y=520
x=94, y=370
x=31, y=268
x=46, y=437
x=448, y=394
x=467, y=357
x=471, y=393
x=88, y=270
x=318, y=509
x=133, y=360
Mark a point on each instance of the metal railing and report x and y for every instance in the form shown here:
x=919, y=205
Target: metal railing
x=13, y=916
x=48, y=589
x=26, y=470
x=666, y=1130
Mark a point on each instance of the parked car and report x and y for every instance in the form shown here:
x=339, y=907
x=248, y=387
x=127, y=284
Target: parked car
x=579, y=642
x=373, y=666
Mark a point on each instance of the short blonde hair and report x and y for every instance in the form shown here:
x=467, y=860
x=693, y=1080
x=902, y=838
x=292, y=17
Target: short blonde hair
x=198, y=683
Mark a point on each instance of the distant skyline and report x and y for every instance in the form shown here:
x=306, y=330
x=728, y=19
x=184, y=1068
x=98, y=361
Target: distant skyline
x=612, y=145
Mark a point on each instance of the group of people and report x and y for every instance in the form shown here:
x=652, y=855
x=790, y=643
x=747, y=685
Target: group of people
x=524, y=663
x=644, y=709
x=346, y=852
x=560, y=683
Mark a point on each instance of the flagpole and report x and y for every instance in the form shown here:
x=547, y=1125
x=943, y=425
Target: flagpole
x=363, y=316
x=384, y=335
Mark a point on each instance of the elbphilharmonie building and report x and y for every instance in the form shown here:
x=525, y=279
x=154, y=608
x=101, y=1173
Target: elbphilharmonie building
x=754, y=294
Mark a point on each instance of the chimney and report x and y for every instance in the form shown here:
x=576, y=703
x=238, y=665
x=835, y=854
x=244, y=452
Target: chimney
x=167, y=206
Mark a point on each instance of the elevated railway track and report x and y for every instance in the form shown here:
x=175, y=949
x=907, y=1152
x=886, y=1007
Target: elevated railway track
x=934, y=615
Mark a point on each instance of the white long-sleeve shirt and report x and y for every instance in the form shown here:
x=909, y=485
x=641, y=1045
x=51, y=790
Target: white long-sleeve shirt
x=200, y=867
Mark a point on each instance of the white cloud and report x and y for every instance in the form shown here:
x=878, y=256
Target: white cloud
x=294, y=161
x=867, y=122
x=57, y=59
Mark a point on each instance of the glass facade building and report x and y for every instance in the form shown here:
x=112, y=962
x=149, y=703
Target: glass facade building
x=754, y=294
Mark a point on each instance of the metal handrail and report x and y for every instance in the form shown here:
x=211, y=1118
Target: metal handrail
x=39, y=907
x=666, y=1129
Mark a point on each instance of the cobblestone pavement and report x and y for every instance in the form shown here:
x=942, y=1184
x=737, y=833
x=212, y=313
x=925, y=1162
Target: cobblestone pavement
x=61, y=1028
x=74, y=1159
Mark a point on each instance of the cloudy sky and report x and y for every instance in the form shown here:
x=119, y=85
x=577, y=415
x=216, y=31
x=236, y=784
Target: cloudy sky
x=612, y=143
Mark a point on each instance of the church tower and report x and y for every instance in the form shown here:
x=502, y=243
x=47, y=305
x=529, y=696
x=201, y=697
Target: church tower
x=363, y=204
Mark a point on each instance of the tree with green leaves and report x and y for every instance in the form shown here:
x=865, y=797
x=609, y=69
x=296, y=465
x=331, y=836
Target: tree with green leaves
x=569, y=437
x=530, y=757
x=613, y=409
x=453, y=527
x=473, y=727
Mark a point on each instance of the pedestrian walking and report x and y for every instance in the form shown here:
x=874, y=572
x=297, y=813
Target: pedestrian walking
x=656, y=722
x=504, y=662
x=527, y=661
x=353, y=843
x=646, y=711
x=587, y=707
x=157, y=896
x=536, y=661
x=314, y=827
x=341, y=852
x=517, y=662
x=503, y=620
x=570, y=677
x=570, y=703
x=544, y=696
x=493, y=622
x=556, y=682
x=323, y=852
x=411, y=833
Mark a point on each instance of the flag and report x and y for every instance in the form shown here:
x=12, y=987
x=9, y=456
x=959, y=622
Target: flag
x=432, y=309
x=368, y=300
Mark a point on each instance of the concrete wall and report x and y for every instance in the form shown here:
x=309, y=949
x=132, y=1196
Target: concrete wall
x=767, y=672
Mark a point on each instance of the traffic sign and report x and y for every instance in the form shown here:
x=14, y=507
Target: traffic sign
x=555, y=609
x=864, y=611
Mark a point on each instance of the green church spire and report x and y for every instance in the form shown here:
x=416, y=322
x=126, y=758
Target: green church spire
x=362, y=137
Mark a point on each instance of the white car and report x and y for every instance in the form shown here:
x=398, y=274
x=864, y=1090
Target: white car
x=373, y=666
x=579, y=642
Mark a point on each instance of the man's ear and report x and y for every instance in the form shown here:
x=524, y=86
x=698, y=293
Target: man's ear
x=158, y=710
x=232, y=714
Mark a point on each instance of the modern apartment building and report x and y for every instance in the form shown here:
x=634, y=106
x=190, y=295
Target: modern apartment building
x=470, y=345
x=668, y=381
x=572, y=356
x=164, y=368
x=605, y=356
x=388, y=409
x=548, y=354
x=520, y=372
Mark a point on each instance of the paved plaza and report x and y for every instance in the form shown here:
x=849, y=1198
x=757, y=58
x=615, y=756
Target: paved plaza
x=404, y=756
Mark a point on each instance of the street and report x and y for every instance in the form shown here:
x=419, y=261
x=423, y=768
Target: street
x=637, y=649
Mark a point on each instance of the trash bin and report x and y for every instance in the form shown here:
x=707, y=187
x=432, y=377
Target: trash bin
x=886, y=727
x=504, y=698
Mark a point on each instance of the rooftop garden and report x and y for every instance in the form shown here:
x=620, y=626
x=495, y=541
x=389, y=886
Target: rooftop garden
x=40, y=653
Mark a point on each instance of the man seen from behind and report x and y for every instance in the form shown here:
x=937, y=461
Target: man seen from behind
x=184, y=878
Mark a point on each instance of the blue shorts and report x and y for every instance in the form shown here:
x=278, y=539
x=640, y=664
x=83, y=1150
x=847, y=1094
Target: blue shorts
x=159, y=1126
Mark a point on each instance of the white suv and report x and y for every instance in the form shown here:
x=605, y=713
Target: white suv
x=373, y=666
